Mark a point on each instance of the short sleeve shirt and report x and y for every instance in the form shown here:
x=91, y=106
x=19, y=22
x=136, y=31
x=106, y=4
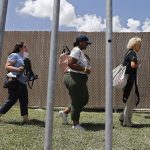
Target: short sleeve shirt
x=18, y=60
x=81, y=59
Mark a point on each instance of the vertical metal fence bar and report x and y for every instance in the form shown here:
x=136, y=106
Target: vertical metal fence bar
x=3, y=12
x=108, y=92
x=52, y=77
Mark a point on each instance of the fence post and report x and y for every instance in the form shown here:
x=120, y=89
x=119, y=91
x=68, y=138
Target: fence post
x=108, y=88
x=52, y=76
x=3, y=12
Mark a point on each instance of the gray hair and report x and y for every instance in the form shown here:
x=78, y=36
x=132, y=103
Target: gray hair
x=133, y=41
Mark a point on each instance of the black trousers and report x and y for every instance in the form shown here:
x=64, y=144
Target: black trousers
x=16, y=90
x=128, y=88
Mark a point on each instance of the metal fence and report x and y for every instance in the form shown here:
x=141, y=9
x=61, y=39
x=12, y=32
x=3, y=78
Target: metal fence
x=38, y=44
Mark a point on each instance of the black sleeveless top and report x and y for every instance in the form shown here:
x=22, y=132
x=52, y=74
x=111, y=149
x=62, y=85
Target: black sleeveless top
x=128, y=58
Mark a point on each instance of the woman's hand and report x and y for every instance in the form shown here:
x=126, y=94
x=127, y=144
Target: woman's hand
x=134, y=65
x=72, y=63
x=88, y=71
x=20, y=69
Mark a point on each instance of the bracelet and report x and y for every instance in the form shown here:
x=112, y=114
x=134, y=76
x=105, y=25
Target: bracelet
x=85, y=69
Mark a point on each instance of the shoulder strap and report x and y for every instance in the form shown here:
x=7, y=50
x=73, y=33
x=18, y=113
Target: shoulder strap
x=127, y=53
x=66, y=50
x=30, y=85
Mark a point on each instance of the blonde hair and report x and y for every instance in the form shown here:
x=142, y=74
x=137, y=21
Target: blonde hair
x=133, y=41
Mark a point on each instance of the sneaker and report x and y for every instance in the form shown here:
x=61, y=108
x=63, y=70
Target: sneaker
x=78, y=127
x=63, y=116
x=127, y=125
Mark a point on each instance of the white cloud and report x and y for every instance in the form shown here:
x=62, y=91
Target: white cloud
x=67, y=13
x=37, y=8
x=87, y=22
x=44, y=9
x=117, y=27
x=146, y=25
x=133, y=26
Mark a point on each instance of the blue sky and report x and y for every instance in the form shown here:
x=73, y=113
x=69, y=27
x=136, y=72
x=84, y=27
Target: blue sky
x=78, y=15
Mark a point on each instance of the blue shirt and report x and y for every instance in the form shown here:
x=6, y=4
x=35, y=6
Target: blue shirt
x=17, y=59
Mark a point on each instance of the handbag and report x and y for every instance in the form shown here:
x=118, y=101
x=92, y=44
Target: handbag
x=63, y=62
x=63, y=59
x=119, y=77
x=9, y=78
x=6, y=82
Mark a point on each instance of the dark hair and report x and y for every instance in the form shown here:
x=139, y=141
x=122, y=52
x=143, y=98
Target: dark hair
x=17, y=47
x=76, y=43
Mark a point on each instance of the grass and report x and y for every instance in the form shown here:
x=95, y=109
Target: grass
x=15, y=136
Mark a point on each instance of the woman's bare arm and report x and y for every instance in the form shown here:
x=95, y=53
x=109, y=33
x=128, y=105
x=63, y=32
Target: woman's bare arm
x=72, y=63
x=9, y=67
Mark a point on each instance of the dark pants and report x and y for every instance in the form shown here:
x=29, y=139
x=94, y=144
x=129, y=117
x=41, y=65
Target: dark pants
x=78, y=91
x=16, y=90
x=128, y=88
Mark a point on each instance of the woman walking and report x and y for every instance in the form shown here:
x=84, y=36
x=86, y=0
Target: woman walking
x=17, y=88
x=130, y=92
x=75, y=81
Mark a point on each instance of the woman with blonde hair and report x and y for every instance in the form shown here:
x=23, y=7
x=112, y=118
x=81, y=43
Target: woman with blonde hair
x=130, y=92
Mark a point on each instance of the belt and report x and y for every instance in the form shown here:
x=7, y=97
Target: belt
x=76, y=72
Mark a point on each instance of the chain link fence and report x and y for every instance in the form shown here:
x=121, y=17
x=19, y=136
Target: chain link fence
x=38, y=44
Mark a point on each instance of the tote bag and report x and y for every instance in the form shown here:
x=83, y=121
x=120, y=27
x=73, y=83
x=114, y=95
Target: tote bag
x=119, y=77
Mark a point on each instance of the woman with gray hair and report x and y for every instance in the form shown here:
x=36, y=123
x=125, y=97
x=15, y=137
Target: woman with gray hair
x=130, y=91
